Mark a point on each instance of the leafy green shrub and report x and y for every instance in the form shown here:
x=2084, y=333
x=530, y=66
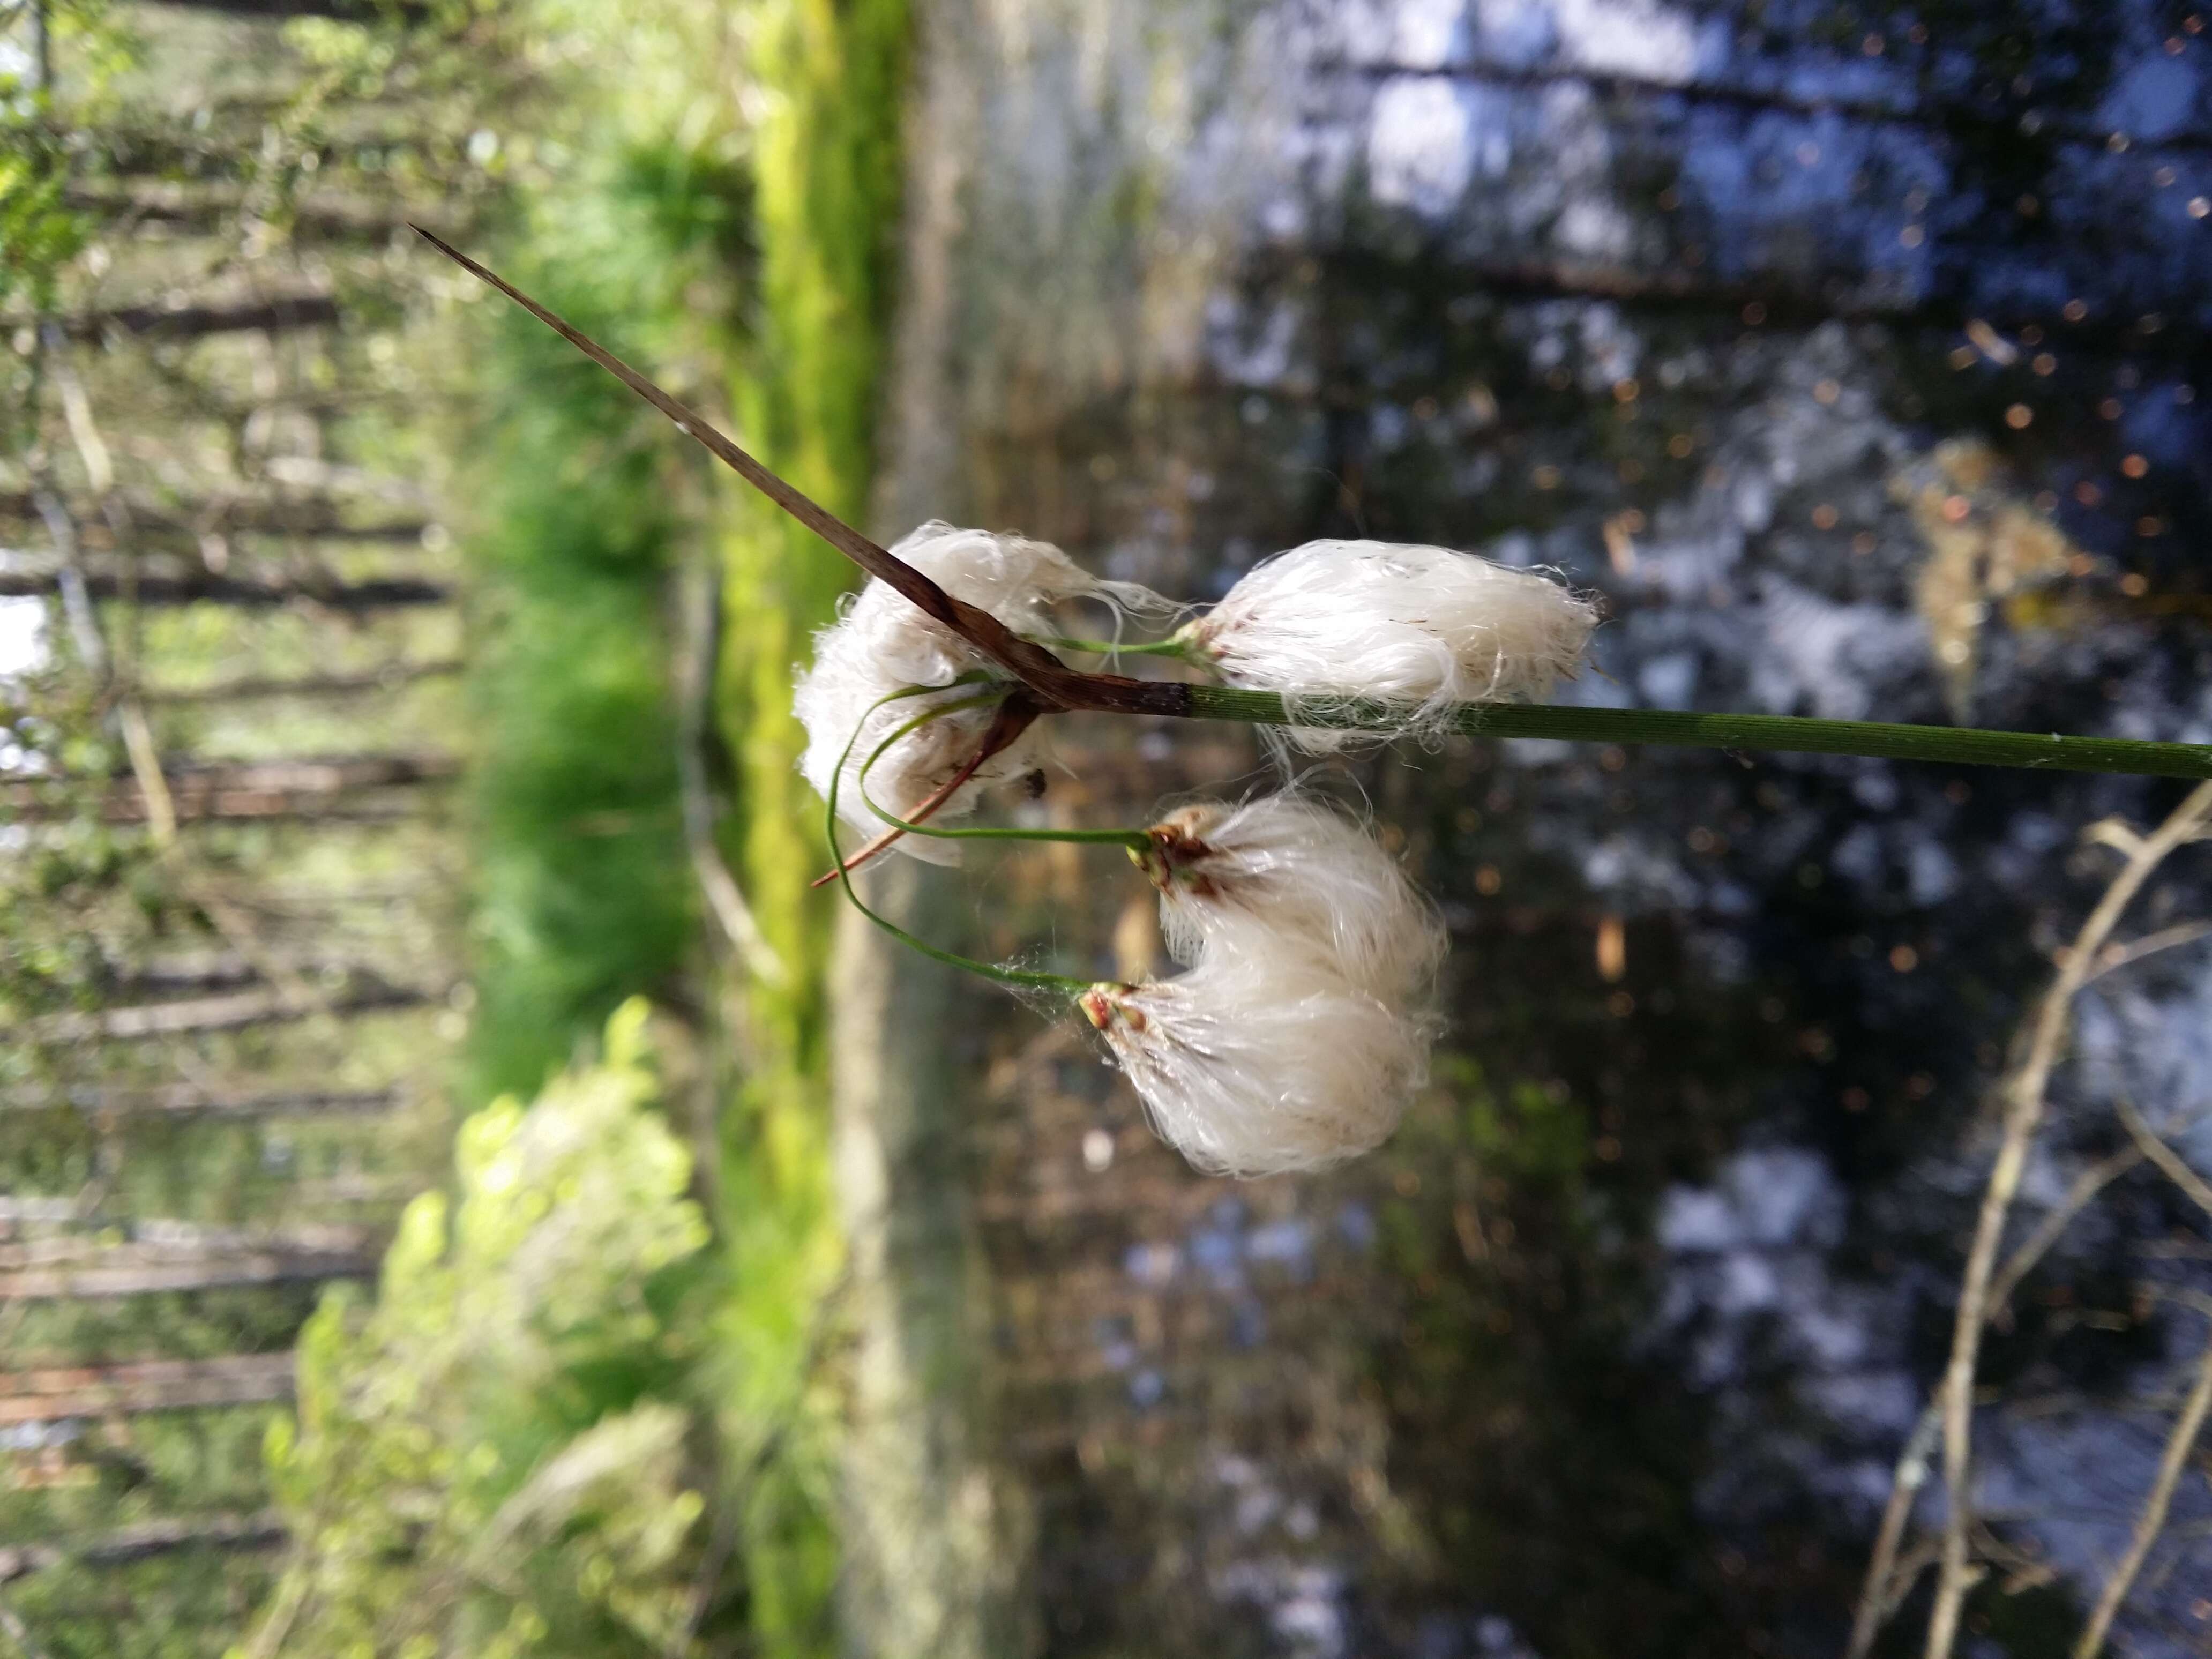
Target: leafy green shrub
x=496, y=1458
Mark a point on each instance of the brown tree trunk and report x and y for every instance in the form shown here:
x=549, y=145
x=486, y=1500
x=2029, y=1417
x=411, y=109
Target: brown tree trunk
x=312, y=517
x=110, y=577
x=240, y=789
x=348, y=11
x=389, y=678
x=147, y=1538
x=184, y=1100
x=202, y=210
x=271, y=313
x=157, y=1385
x=184, y=973
x=159, y=1243
x=137, y=1276
x=236, y=1011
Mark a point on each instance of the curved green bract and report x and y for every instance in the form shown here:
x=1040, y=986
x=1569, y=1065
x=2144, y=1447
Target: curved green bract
x=1008, y=976
x=1132, y=838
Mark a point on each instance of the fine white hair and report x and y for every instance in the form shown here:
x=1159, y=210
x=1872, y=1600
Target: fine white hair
x=1302, y=876
x=883, y=643
x=1412, y=629
x=1254, y=1064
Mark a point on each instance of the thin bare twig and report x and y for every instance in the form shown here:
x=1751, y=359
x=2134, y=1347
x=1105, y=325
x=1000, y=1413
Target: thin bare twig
x=76, y=597
x=129, y=712
x=2023, y=1112
x=2178, y=1444
x=2086, y=1185
x=1885, y=1578
x=1875, y=1594
x=2117, y=957
x=2169, y=1162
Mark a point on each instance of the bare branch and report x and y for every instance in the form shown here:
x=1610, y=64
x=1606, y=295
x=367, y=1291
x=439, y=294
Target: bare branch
x=307, y=308
x=389, y=678
x=1880, y=1594
x=316, y=518
x=240, y=789
x=2168, y=1161
x=235, y=1012
x=2112, y=833
x=2178, y=1445
x=2023, y=1113
x=111, y=576
x=185, y=1100
x=2114, y=957
x=2086, y=1185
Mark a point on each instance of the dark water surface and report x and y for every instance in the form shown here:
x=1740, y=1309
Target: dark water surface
x=1858, y=357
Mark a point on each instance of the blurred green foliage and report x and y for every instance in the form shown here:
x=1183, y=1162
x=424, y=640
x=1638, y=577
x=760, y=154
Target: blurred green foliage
x=757, y=236
x=39, y=231
x=827, y=187
x=495, y=1458
x=583, y=895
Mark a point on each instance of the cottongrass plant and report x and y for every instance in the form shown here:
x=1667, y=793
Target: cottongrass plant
x=1300, y=1029
x=1293, y=874
x=883, y=644
x=1413, y=630
x=1263, y=1061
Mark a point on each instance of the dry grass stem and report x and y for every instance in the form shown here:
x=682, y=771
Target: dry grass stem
x=2168, y=1161
x=2178, y=1444
x=1886, y=1578
x=2026, y=1094
x=2117, y=957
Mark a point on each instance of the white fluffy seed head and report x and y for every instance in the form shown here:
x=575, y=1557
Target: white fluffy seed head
x=883, y=643
x=1254, y=1064
x=1314, y=880
x=1415, y=629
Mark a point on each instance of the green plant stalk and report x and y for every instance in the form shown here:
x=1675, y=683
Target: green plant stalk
x=1135, y=839
x=1951, y=745
x=1008, y=976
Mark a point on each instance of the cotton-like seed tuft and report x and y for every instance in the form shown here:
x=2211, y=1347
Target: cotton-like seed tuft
x=1414, y=629
x=1285, y=871
x=1254, y=1064
x=883, y=643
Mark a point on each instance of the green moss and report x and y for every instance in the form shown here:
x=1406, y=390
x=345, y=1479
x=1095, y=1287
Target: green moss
x=826, y=181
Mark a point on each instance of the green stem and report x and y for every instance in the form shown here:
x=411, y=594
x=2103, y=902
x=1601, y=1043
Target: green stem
x=1136, y=839
x=1789, y=733
x=1174, y=646
x=1011, y=977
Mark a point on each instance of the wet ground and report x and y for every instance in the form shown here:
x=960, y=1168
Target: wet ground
x=1855, y=357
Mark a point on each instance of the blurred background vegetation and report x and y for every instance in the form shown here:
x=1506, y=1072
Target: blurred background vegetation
x=460, y=1193
x=347, y=801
